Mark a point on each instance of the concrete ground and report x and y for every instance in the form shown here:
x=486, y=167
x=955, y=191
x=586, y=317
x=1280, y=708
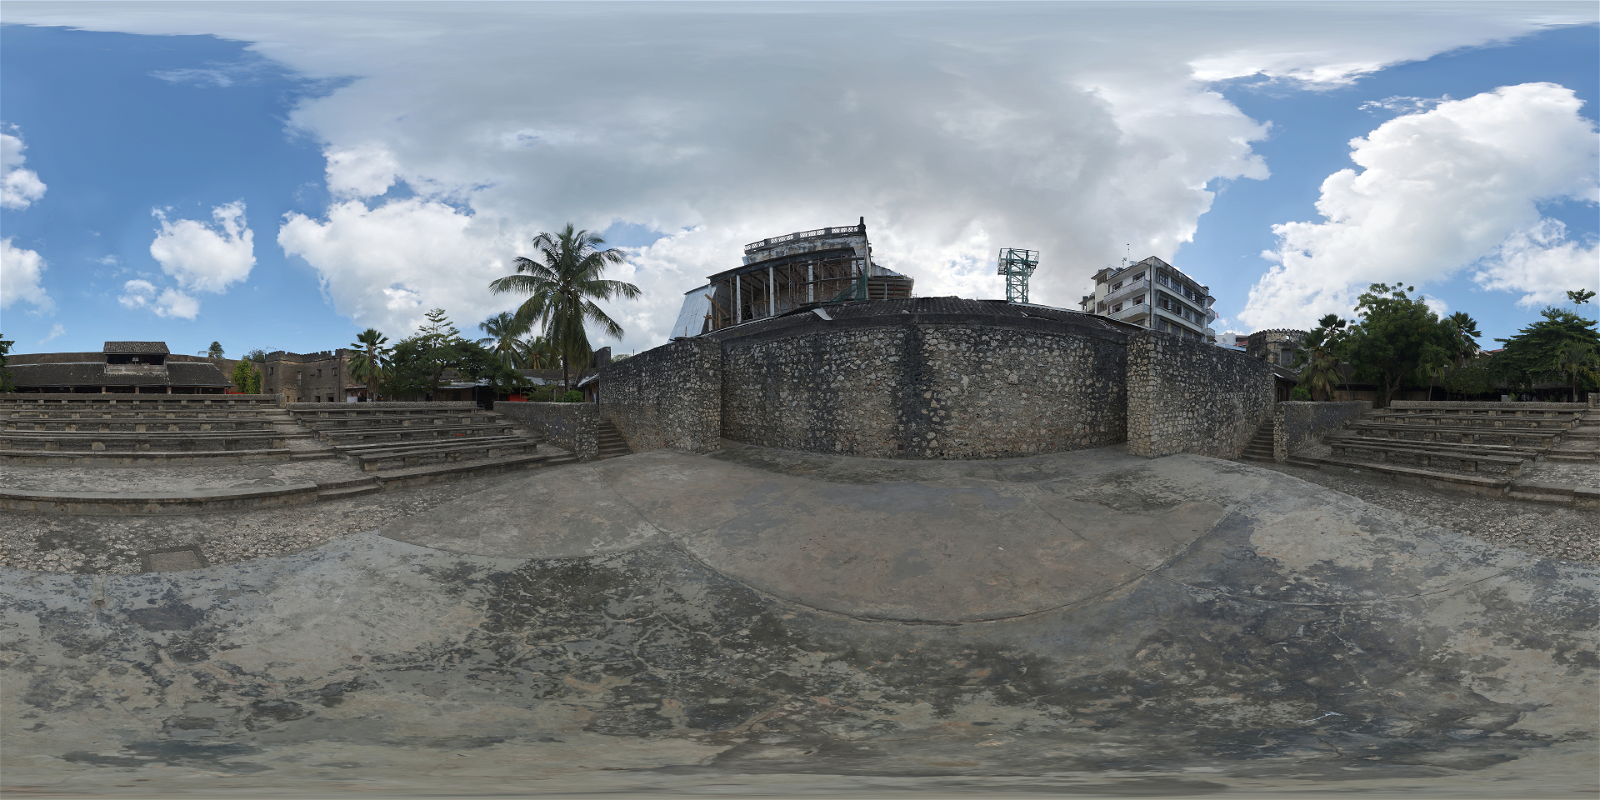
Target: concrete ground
x=771, y=622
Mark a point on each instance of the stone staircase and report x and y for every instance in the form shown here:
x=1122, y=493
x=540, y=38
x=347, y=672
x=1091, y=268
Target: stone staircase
x=1260, y=446
x=422, y=443
x=611, y=441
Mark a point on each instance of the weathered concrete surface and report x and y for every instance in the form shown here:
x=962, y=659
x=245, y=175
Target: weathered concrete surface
x=1086, y=622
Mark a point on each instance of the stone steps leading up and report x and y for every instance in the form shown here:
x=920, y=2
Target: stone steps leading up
x=1261, y=446
x=611, y=443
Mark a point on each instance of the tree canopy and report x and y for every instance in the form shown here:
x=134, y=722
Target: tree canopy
x=562, y=285
x=1561, y=346
x=1396, y=339
x=368, y=363
x=417, y=364
x=5, y=374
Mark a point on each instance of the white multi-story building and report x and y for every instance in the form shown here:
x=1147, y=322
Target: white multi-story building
x=1154, y=294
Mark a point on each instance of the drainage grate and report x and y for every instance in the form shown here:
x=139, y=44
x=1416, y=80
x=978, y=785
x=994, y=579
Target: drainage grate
x=172, y=559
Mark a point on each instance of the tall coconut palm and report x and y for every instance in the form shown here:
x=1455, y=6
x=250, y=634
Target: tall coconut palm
x=535, y=352
x=1464, y=334
x=562, y=285
x=367, y=363
x=502, y=339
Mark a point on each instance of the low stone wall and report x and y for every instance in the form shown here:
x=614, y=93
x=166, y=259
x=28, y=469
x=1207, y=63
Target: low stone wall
x=569, y=426
x=1298, y=424
x=669, y=396
x=130, y=397
x=1189, y=397
x=925, y=388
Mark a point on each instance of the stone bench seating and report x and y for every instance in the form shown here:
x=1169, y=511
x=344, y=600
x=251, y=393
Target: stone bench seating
x=137, y=405
x=53, y=441
x=1480, y=413
x=1478, y=420
x=1463, y=434
x=372, y=458
x=386, y=422
x=139, y=425
x=358, y=436
x=1470, y=460
x=152, y=414
x=308, y=414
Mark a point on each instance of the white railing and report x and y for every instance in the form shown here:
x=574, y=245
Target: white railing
x=844, y=230
x=1128, y=312
x=1129, y=288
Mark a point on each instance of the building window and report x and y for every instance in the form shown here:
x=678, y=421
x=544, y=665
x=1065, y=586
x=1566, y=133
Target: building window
x=1116, y=308
x=1116, y=286
x=1138, y=277
x=1138, y=301
x=319, y=372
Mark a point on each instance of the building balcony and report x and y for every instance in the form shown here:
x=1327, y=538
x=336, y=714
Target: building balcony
x=1128, y=290
x=1131, y=313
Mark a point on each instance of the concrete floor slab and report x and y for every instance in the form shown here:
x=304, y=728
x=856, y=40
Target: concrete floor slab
x=558, y=638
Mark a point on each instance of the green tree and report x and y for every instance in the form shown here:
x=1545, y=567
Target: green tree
x=562, y=287
x=367, y=364
x=1578, y=361
x=1579, y=297
x=1463, y=337
x=536, y=352
x=1317, y=358
x=502, y=339
x=5, y=374
x=257, y=355
x=246, y=377
x=1394, y=337
x=1469, y=380
x=418, y=363
x=214, y=351
x=1536, y=352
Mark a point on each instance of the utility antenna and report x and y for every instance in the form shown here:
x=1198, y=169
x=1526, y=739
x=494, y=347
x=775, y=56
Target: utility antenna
x=1127, y=254
x=1017, y=266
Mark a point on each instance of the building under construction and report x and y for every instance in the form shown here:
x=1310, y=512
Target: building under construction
x=785, y=273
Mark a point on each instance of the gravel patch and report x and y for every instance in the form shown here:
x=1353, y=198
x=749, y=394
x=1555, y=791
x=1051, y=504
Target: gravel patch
x=112, y=544
x=1552, y=531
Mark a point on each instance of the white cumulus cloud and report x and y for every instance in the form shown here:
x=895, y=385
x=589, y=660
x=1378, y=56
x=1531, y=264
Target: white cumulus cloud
x=21, y=272
x=166, y=302
x=1437, y=192
x=206, y=257
x=55, y=333
x=19, y=187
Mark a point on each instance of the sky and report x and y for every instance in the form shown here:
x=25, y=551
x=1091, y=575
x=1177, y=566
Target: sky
x=283, y=175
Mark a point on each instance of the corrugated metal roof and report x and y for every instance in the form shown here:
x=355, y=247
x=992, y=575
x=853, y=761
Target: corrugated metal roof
x=157, y=348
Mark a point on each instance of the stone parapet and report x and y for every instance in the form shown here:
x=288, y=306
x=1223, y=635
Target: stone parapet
x=1190, y=397
x=1298, y=424
x=669, y=396
x=570, y=426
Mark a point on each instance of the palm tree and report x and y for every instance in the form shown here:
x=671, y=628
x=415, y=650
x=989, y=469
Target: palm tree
x=1578, y=360
x=367, y=364
x=560, y=285
x=1464, y=335
x=502, y=338
x=535, y=352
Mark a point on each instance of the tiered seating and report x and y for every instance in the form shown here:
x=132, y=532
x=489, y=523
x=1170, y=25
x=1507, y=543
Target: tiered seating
x=385, y=437
x=72, y=429
x=1497, y=441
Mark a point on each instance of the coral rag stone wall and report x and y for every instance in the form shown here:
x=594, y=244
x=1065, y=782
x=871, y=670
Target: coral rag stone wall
x=1297, y=424
x=892, y=386
x=569, y=426
x=1189, y=397
x=670, y=396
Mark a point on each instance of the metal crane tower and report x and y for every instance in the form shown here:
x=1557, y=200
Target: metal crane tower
x=1017, y=266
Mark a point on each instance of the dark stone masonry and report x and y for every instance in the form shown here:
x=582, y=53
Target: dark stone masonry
x=1297, y=424
x=938, y=378
x=569, y=426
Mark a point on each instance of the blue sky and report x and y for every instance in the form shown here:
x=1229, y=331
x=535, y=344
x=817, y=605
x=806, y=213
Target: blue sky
x=284, y=179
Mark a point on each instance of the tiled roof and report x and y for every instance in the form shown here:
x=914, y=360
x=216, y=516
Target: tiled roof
x=157, y=348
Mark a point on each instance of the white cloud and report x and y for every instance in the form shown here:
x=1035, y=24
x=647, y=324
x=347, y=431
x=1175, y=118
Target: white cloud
x=108, y=260
x=1439, y=191
x=21, y=271
x=19, y=187
x=1543, y=264
x=206, y=258
x=55, y=333
x=1071, y=129
x=167, y=303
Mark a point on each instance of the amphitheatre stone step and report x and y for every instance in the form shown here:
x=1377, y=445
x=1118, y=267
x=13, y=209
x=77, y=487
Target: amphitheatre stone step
x=361, y=436
x=388, y=458
x=396, y=477
x=396, y=421
x=1471, y=461
x=1480, y=484
x=1475, y=421
x=1453, y=433
x=140, y=425
x=188, y=502
x=135, y=442
x=92, y=458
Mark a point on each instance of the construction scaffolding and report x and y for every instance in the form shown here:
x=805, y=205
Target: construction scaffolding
x=1017, y=266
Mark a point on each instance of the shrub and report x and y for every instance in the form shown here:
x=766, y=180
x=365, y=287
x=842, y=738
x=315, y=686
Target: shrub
x=540, y=395
x=573, y=396
x=1299, y=393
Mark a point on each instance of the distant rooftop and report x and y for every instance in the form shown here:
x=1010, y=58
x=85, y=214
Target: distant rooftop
x=140, y=348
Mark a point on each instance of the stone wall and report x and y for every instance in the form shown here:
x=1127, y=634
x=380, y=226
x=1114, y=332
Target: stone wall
x=670, y=396
x=1296, y=424
x=1189, y=397
x=569, y=426
x=882, y=388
